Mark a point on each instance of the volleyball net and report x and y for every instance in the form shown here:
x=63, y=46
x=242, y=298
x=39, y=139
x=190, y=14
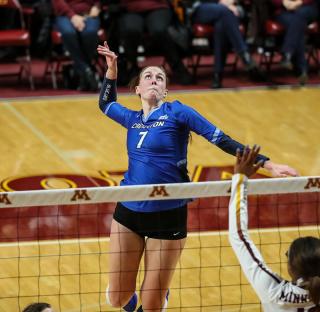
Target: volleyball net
x=54, y=243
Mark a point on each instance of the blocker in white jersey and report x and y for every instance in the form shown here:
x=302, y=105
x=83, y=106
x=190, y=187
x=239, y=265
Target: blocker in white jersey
x=275, y=293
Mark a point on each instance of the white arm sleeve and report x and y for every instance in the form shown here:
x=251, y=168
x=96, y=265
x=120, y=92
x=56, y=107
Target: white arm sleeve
x=262, y=279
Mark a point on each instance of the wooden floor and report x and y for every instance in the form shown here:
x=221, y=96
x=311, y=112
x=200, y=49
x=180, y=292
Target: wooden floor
x=69, y=135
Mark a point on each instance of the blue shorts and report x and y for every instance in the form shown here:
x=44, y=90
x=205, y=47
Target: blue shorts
x=168, y=224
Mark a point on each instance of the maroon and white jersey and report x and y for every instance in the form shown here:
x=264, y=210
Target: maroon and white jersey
x=275, y=293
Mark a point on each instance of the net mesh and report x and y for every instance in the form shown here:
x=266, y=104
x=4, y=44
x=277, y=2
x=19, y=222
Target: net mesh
x=54, y=244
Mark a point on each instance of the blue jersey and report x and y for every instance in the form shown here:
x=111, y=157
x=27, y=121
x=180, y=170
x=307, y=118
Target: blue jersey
x=157, y=144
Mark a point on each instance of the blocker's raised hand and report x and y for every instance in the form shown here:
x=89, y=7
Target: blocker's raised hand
x=246, y=163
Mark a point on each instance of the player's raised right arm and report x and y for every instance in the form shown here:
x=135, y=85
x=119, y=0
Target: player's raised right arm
x=108, y=93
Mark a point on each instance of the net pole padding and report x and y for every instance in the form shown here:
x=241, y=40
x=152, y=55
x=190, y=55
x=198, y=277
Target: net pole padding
x=92, y=195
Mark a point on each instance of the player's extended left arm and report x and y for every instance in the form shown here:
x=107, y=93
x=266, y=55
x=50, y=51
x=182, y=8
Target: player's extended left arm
x=203, y=127
x=230, y=146
x=276, y=170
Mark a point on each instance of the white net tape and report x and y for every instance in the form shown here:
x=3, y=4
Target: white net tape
x=154, y=192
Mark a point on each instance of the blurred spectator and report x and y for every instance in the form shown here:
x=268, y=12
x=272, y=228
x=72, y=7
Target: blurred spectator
x=41, y=25
x=259, y=14
x=295, y=15
x=78, y=22
x=37, y=21
x=224, y=16
x=8, y=20
x=38, y=307
x=110, y=14
x=152, y=17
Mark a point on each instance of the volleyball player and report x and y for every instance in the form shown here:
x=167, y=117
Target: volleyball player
x=276, y=294
x=157, y=141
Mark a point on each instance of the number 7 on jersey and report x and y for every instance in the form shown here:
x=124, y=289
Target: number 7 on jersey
x=143, y=135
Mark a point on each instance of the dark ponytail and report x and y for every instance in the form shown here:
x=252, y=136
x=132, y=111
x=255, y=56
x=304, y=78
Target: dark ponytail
x=304, y=262
x=36, y=307
x=313, y=286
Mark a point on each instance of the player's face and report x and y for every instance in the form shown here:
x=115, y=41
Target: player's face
x=152, y=85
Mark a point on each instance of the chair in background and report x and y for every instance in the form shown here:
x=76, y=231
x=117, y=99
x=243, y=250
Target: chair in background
x=56, y=60
x=18, y=37
x=202, y=45
x=274, y=31
x=313, y=45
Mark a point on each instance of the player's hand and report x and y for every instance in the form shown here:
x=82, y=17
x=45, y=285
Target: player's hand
x=245, y=163
x=111, y=60
x=278, y=170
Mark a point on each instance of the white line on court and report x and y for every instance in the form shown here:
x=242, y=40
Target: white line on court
x=172, y=92
x=42, y=137
x=192, y=234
